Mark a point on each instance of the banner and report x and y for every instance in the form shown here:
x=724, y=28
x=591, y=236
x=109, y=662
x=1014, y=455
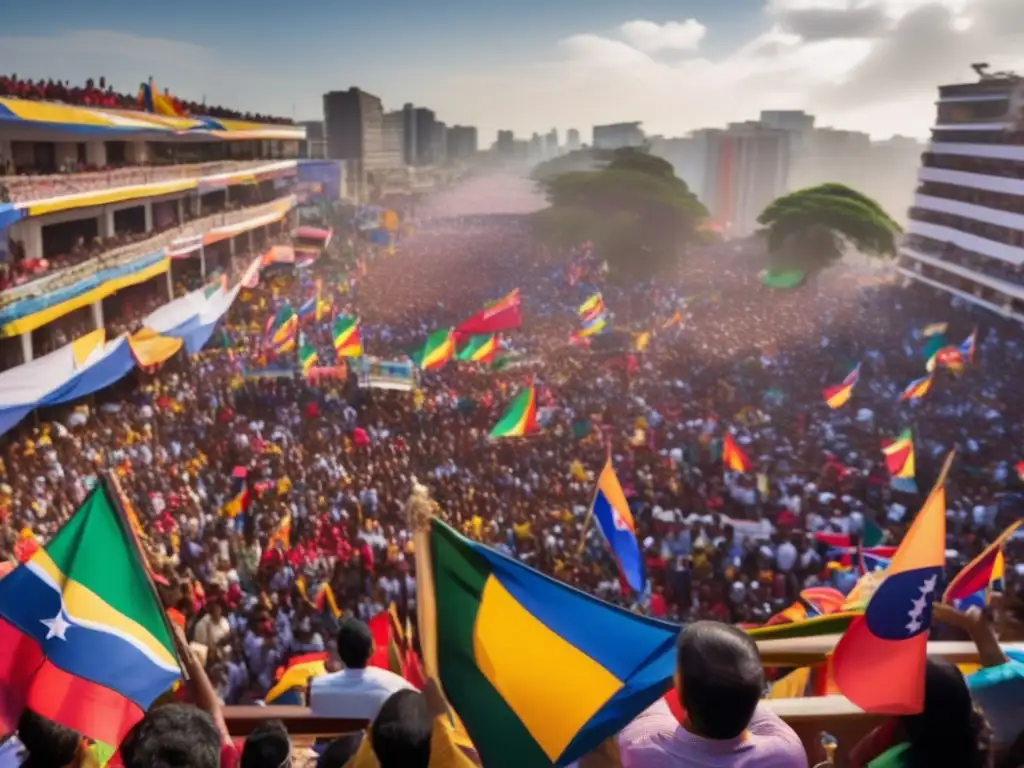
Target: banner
x=376, y=373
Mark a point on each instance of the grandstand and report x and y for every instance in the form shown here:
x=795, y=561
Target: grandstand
x=102, y=209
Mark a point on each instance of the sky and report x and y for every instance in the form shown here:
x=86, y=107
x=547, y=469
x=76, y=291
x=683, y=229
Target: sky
x=533, y=65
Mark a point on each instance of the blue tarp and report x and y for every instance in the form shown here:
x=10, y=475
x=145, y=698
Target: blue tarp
x=8, y=215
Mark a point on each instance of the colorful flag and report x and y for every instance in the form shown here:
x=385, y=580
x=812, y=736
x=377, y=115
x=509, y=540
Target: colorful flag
x=238, y=502
x=918, y=388
x=282, y=339
x=438, y=349
x=84, y=640
x=733, y=459
x=899, y=460
x=500, y=315
x=935, y=329
x=615, y=521
x=839, y=395
x=591, y=308
x=521, y=417
x=997, y=580
x=676, y=319
x=947, y=357
x=967, y=349
x=480, y=610
x=480, y=349
x=282, y=535
x=825, y=600
x=879, y=663
x=293, y=678
x=593, y=326
x=977, y=574
x=347, y=342
x=307, y=309
x=641, y=340
x=307, y=358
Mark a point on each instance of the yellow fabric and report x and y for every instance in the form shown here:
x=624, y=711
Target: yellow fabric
x=792, y=686
x=150, y=348
x=84, y=346
x=48, y=315
x=444, y=752
x=110, y=196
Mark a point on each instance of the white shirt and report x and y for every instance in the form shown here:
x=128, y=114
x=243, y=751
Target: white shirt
x=357, y=694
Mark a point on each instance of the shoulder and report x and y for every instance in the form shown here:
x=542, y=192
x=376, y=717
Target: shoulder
x=385, y=679
x=770, y=731
x=657, y=721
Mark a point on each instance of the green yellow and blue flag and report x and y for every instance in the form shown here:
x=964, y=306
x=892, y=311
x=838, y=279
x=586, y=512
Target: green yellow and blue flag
x=615, y=521
x=84, y=640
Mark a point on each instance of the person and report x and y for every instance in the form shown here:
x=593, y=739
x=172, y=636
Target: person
x=357, y=691
x=173, y=735
x=268, y=746
x=213, y=628
x=339, y=751
x=41, y=743
x=720, y=681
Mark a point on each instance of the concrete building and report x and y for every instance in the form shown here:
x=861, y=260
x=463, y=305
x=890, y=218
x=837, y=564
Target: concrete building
x=426, y=132
x=965, y=237
x=572, y=140
x=462, y=142
x=315, y=145
x=746, y=166
x=686, y=154
x=618, y=135
x=505, y=145
x=354, y=127
x=410, y=143
x=551, y=143
x=439, y=143
x=535, y=149
x=394, y=139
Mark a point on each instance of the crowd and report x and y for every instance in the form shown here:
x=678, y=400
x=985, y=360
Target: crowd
x=329, y=467
x=100, y=93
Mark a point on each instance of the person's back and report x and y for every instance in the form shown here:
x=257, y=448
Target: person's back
x=172, y=736
x=358, y=691
x=720, y=679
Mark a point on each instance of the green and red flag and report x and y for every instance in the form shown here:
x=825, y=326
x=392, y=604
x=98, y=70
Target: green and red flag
x=480, y=349
x=521, y=417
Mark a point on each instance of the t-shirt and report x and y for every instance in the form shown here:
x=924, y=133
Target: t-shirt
x=655, y=739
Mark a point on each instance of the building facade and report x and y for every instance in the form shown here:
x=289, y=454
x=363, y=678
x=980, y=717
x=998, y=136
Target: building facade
x=965, y=236
x=462, y=142
x=572, y=140
x=410, y=143
x=618, y=136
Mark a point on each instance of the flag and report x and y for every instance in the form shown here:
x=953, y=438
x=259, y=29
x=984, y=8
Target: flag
x=151, y=100
x=293, y=677
x=307, y=358
x=282, y=535
x=537, y=671
x=947, y=357
x=238, y=502
x=839, y=395
x=676, y=319
x=813, y=626
x=918, y=388
x=500, y=315
x=825, y=600
x=934, y=329
x=438, y=349
x=591, y=308
x=325, y=601
x=977, y=574
x=733, y=459
x=641, y=340
x=615, y=521
x=593, y=326
x=872, y=535
x=997, y=579
x=879, y=663
x=84, y=640
x=899, y=460
x=281, y=338
x=307, y=309
x=968, y=347
x=480, y=349
x=521, y=417
x=347, y=342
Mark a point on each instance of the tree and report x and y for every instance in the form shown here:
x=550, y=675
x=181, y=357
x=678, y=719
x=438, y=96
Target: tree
x=577, y=160
x=810, y=229
x=637, y=212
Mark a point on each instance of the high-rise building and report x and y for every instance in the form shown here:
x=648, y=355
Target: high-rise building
x=462, y=142
x=572, y=139
x=794, y=120
x=426, y=136
x=551, y=143
x=315, y=145
x=439, y=143
x=965, y=236
x=618, y=136
x=354, y=130
x=393, y=146
x=686, y=156
x=745, y=167
x=505, y=144
x=410, y=142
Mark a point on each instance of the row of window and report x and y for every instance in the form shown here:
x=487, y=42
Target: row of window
x=995, y=201
x=983, y=292
x=984, y=166
x=976, y=262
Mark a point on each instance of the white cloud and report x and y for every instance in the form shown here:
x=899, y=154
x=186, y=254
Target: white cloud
x=671, y=36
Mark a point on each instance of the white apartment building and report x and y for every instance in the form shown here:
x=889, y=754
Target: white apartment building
x=966, y=231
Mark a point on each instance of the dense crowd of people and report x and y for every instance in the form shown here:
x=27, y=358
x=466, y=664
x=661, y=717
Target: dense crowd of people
x=100, y=93
x=329, y=466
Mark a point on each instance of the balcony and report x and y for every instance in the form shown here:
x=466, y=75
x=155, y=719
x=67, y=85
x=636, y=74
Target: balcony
x=1008, y=281
x=1003, y=184
x=968, y=242
x=980, y=213
x=22, y=190
x=126, y=254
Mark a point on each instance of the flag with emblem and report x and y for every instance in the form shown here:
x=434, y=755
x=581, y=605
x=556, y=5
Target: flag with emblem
x=879, y=663
x=84, y=640
x=539, y=673
x=611, y=512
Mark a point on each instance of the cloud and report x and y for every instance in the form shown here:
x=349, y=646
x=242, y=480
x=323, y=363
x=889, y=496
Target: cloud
x=813, y=24
x=671, y=36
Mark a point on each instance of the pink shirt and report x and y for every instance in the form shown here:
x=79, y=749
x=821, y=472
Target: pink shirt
x=655, y=739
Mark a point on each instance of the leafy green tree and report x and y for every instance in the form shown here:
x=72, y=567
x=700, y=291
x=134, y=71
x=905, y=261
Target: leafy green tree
x=812, y=228
x=637, y=212
x=577, y=160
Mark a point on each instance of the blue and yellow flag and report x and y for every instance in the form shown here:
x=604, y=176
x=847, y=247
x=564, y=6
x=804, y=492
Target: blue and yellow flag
x=538, y=672
x=611, y=512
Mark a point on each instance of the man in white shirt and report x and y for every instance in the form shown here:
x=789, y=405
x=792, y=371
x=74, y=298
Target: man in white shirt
x=358, y=691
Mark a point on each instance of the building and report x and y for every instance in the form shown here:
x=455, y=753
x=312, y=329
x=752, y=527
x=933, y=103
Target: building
x=618, y=135
x=551, y=143
x=426, y=137
x=168, y=200
x=505, y=145
x=965, y=236
x=793, y=120
x=393, y=146
x=410, y=141
x=354, y=126
x=686, y=154
x=315, y=145
x=572, y=140
x=535, y=148
x=462, y=142
x=746, y=166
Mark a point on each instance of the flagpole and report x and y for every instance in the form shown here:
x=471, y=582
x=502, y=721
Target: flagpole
x=590, y=509
x=114, y=491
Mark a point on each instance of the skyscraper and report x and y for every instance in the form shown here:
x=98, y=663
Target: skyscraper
x=410, y=142
x=354, y=132
x=572, y=139
x=618, y=136
x=462, y=142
